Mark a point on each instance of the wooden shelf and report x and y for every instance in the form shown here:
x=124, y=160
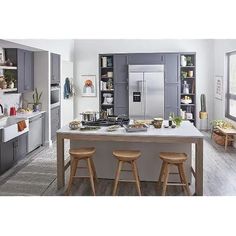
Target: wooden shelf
x=187, y=66
x=108, y=67
x=8, y=90
x=187, y=78
x=8, y=67
x=108, y=90
x=107, y=105
x=185, y=94
x=182, y=104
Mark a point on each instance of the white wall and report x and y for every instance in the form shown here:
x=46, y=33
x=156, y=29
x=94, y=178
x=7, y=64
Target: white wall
x=221, y=47
x=86, y=62
x=67, y=105
x=65, y=47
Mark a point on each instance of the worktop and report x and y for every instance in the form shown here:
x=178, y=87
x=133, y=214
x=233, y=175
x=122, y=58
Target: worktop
x=28, y=115
x=185, y=130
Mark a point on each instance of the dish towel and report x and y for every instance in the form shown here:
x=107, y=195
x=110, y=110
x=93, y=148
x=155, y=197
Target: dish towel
x=67, y=88
x=21, y=125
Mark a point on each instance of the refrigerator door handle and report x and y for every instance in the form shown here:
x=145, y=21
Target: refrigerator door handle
x=138, y=86
x=144, y=97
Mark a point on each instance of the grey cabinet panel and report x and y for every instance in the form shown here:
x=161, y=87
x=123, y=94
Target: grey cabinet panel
x=121, y=95
x=120, y=69
x=29, y=71
x=55, y=68
x=8, y=155
x=55, y=121
x=20, y=70
x=22, y=146
x=146, y=58
x=171, y=99
x=171, y=68
x=121, y=111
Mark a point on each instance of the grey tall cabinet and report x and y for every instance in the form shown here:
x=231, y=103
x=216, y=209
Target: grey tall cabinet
x=121, y=81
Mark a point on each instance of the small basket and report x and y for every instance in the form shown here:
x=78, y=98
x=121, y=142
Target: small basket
x=219, y=138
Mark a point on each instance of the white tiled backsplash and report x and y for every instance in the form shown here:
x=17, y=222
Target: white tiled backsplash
x=9, y=100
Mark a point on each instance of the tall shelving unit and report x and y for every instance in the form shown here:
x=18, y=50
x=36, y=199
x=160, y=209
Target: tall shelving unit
x=106, y=84
x=188, y=86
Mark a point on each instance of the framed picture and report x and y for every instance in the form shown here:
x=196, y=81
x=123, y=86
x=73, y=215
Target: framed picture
x=219, y=87
x=88, y=85
x=2, y=57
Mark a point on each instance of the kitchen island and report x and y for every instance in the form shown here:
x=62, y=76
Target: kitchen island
x=150, y=143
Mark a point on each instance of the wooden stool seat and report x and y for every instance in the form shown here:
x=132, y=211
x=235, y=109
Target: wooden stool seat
x=82, y=153
x=173, y=158
x=127, y=156
x=77, y=155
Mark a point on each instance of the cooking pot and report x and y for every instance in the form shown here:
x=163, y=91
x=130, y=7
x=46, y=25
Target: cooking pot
x=89, y=116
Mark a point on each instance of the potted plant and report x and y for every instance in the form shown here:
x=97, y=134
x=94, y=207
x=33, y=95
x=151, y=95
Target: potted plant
x=177, y=120
x=36, y=98
x=10, y=78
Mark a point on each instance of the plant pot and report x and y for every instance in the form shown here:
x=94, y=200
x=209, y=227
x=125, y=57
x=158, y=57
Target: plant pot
x=219, y=138
x=36, y=107
x=203, y=115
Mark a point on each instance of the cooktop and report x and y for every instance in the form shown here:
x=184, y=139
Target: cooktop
x=101, y=122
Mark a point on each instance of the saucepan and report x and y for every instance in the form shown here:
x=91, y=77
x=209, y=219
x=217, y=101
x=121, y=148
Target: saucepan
x=89, y=116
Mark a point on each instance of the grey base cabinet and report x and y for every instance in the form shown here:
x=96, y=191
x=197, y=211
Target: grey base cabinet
x=55, y=121
x=12, y=151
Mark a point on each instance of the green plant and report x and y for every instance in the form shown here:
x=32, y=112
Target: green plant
x=222, y=124
x=177, y=120
x=37, y=97
x=203, y=103
x=10, y=76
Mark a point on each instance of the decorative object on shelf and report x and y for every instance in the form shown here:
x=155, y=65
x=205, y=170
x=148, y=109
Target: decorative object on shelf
x=109, y=74
x=8, y=62
x=185, y=88
x=104, y=61
x=219, y=87
x=183, y=114
x=10, y=78
x=109, y=62
x=109, y=84
x=2, y=57
x=186, y=100
x=36, y=98
x=3, y=83
x=190, y=73
x=88, y=85
x=109, y=100
x=189, y=61
x=184, y=74
x=188, y=116
x=183, y=60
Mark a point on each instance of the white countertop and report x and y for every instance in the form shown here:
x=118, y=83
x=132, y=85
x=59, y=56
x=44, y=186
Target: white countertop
x=187, y=129
x=28, y=115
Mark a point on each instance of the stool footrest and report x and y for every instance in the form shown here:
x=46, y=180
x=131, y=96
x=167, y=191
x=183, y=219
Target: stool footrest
x=176, y=184
x=128, y=181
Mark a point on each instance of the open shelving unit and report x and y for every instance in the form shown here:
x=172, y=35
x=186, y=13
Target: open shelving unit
x=188, y=76
x=106, y=84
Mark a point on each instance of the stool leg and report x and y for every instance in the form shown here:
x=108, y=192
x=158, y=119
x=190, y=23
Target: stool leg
x=163, y=166
x=73, y=168
x=226, y=141
x=185, y=179
x=166, y=175
x=181, y=177
x=136, y=177
x=91, y=175
x=94, y=170
x=117, y=177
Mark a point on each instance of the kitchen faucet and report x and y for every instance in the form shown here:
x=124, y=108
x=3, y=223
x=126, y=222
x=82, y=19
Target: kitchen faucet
x=1, y=108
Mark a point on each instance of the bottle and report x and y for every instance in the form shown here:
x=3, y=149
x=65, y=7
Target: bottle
x=170, y=120
x=185, y=88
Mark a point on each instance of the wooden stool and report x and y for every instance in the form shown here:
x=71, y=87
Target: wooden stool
x=82, y=154
x=172, y=158
x=129, y=157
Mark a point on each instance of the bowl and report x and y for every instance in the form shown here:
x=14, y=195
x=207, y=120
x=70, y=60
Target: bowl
x=74, y=125
x=157, y=123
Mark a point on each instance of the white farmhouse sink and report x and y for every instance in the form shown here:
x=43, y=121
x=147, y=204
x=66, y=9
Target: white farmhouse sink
x=9, y=127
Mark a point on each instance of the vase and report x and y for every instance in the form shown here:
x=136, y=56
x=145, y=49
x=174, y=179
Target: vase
x=11, y=85
x=36, y=107
x=183, y=61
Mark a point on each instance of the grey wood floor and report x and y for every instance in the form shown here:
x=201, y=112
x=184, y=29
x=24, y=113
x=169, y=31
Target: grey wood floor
x=37, y=177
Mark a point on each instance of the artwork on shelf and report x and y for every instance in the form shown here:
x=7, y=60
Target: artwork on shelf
x=88, y=85
x=219, y=87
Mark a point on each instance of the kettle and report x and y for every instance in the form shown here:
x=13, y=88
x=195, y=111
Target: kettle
x=12, y=111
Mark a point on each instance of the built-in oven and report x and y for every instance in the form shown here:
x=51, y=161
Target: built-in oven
x=55, y=96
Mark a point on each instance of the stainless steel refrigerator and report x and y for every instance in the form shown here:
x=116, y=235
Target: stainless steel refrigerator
x=146, y=91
